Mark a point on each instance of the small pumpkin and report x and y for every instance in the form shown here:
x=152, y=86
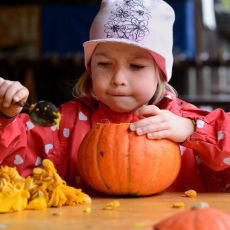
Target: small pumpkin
x=114, y=160
x=196, y=219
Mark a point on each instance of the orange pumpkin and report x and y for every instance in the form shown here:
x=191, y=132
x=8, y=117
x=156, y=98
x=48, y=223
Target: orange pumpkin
x=114, y=160
x=196, y=219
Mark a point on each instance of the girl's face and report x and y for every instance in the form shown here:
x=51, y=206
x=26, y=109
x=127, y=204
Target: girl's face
x=124, y=77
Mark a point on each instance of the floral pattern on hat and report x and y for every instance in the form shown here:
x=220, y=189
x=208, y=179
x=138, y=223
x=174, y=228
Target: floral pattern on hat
x=128, y=21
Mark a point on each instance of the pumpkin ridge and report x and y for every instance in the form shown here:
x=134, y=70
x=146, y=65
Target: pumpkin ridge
x=195, y=218
x=169, y=157
x=156, y=165
x=95, y=164
x=188, y=220
x=200, y=217
x=125, y=178
x=145, y=168
x=221, y=218
x=132, y=183
x=98, y=155
x=217, y=219
x=114, y=159
x=128, y=165
x=81, y=167
x=113, y=156
x=93, y=180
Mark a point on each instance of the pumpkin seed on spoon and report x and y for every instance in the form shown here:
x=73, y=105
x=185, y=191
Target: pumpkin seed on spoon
x=43, y=113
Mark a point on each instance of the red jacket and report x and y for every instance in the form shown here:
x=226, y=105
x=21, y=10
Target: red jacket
x=205, y=154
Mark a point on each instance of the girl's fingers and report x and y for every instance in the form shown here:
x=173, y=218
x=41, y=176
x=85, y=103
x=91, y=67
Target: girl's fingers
x=1, y=80
x=158, y=124
x=159, y=134
x=3, y=88
x=152, y=123
x=150, y=126
x=20, y=95
x=12, y=92
x=148, y=110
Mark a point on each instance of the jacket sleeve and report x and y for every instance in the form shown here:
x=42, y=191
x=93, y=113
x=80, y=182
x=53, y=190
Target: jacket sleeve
x=23, y=145
x=211, y=139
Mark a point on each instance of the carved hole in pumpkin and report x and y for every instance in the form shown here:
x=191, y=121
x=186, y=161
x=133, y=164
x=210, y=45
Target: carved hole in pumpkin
x=101, y=154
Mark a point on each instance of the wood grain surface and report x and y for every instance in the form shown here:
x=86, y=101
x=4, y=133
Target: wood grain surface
x=133, y=213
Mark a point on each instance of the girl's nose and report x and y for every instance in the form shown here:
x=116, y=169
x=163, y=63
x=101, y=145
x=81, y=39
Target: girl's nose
x=119, y=78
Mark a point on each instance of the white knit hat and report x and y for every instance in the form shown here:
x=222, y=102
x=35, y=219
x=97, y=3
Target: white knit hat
x=144, y=23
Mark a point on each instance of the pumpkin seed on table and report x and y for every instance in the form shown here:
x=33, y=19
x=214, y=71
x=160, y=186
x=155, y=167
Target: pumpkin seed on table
x=178, y=205
x=111, y=205
x=56, y=214
x=87, y=210
x=190, y=193
x=140, y=225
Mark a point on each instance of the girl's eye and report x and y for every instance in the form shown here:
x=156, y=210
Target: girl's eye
x=103, y=64
x=136, y=66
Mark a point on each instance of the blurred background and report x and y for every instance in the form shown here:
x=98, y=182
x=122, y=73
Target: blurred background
x=41, y=46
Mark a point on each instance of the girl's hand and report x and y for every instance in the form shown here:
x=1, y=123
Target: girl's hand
x=159, y=124
x=10, y=93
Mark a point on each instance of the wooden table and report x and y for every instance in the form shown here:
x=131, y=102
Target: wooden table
x=133, y=213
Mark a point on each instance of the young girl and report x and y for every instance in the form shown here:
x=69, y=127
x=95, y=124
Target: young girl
x=128, y=64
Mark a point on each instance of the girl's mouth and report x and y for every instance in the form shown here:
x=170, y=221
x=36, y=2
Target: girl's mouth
x=117, y=94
